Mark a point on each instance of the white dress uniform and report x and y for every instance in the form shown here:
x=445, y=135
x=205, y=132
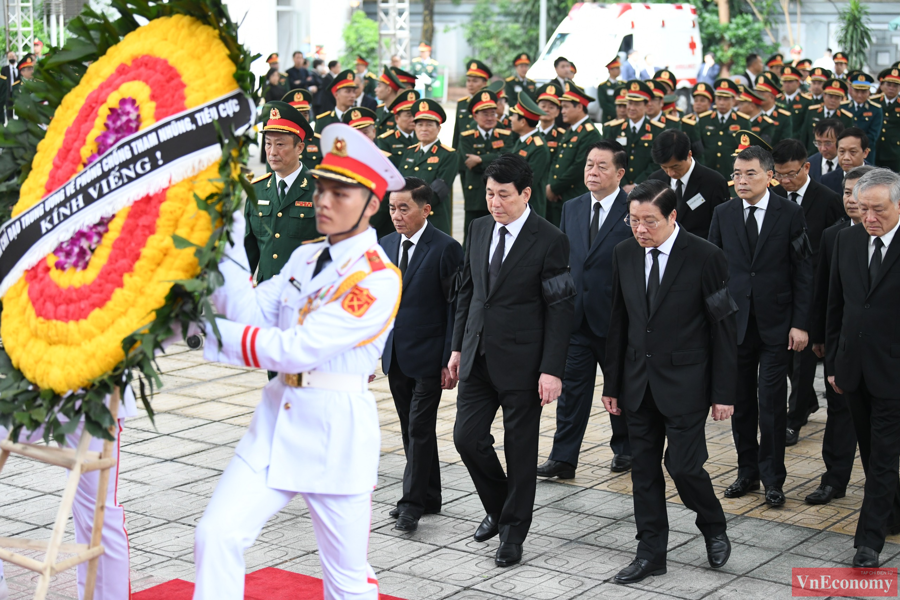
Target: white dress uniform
x=316, y=430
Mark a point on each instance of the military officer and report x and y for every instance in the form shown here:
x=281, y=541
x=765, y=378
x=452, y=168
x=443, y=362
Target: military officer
x=717, y=128
x=867, y=114
x=322, y=325
x=520, y=82
x=363, y=120
x=750, y=104
x=301, y=99
x=793, y=99
x=768, y=87
x=406, y=78
x=282, y=217
x=805, y=67
x=840, y=65
x=817, y=78
x=396, y=141
x=272, y=61
x=548, y=101
x=477, y=76
x=431, y=161
x=606, y=91
x=889, y=141
x=530, y=145
x=834, y=92
x=702, y=95
x=621, y=102
x=499, y=88
x=386, y=90
x=655, y=107
x=670, y=107
x=775, y=64
x=343, y=88
x=370, y=79
x=667, y=79
x=636, y=134
x=478, y=148
x=425, y=67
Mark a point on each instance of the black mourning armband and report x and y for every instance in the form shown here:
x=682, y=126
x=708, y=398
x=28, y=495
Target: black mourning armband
x=720, y=304
x=559, y=288
x=451, y=284
x=440, y=189
x=801, y=246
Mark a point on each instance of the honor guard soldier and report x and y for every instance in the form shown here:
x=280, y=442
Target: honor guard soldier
x=396, y=141
x=833, y=95
x=432, y=162
x=386, y=90
x=477, y=76
x=343, y=88
x=548, y=101
x=750, y=104
x=478, y=148
x=524, y=119
x=889, y=141
x=606, y=91
x=425, y=67
x=717, y=128
x=406, y=78
x=636, y=135
x=793, y=99
x=840, y=65
x=567, y=172
x=370, y=79
x=499, y=88
x=321, y=324
x=775, y=64
x=702, y=95
x=519, y=82
x=768, y=88
x=301, y=99
x=282, y=217
x=867, y=114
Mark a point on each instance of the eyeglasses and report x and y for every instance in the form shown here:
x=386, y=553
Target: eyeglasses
x=746, y=176
x=635, y=223
x=823, y=144
x=787, y=176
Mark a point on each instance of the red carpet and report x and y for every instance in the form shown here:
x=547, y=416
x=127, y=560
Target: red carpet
x=265, y=584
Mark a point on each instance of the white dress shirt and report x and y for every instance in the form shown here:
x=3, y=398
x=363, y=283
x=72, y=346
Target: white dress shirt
x=726, y=116
x=484, y=134
x=684, y=178
x=427, y=147
x=290, y=179
x=414, y=238
x=760, y=213
x=665, y=249
x=548, y=130
x=605, y=205
x=886, y=238
x=632, y=125
x=339, y=113
x=522, y=138
x=512, y=232
x=578, y=124
x=801, y=193
x=825, y=162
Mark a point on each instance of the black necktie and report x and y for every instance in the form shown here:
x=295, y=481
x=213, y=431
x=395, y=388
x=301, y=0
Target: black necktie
x=595, y=222
x=282, y=189
x=752, y=230
x=653, y=281
x=679, y=191
x=794, y=196
x=324, y=259
x=404, y=258
x=830, y=165
x=875, y=263
x=497, y=260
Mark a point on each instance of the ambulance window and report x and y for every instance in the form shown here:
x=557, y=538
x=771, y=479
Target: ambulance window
x=627, y=44
x=558, y=41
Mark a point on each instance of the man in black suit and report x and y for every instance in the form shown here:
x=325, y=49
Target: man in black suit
x=771, y=278
x=839, y=439
x=671, y=354
x=825, y=160
x=595, y=224
x=298, y=75
x=418, y=348
x=10, y=75
x=862, y=352
x=852, y=151
x=513, y=320
x=699, y=189
x=822, y=208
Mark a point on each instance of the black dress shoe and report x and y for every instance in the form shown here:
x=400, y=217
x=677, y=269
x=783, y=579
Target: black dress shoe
x=866, y=558
x=508, y=554
x=638, y=570
x=774, y=496
x=395, y=512
x=487, y=529
x=620, y=463
x=406, y=522
x=823, y=495
x=718, y=549
x=793, y=435
x=741, y=486
x=556, y=468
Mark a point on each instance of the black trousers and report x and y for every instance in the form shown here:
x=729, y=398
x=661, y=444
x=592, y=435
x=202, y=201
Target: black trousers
x=802, y=401
x=761, y=402
x=684, y=457
x=511, y=496
x=573, y=410
x=839, y=440
x=877, y=424
x=417, y=403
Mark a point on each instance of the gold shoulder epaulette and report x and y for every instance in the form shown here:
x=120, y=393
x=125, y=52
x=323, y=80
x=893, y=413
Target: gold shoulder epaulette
x=538, y=140
x=807, y=96
x=317, y=135
x=261, y=178
x=768, y=120
x=847, y=113
x=561, y=130
x=17, y=82
x=386, y=153
x=775, y=182
x=469, y=132
x=877, y=97
x=874, y=103
x=2, y=77
x=705, y=114
x=510, y=78
x=386, y=133
x=614, y=122
x=731, y=184
x=324, y=114
x=416, y=145
x=814, y=107
x=676, y=119
x=658, y=124
x=845, y=103
x=502, y=131
x=314, y=241
x=689, y=121
x=786, y=113
x=589, y=126
x=740, y=114
x=464, y=99
x=448, y=148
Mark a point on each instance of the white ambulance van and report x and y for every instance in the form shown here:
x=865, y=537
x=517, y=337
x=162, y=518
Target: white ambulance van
x=592, y=34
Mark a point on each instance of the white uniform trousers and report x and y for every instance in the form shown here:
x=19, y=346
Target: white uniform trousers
x=113, y=575
x=241, y=506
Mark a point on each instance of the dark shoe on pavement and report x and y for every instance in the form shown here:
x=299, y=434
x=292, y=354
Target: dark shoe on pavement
x=718, y=549
x=774, y=496
x=866, y=558
x=793, y=435
x=620, y=463
x=638, y=570
x=406, y=522
x=487, y=529
x=395, y=512
x=556, y=468
x=741, y=486
x=508, y=554
x=824, y=494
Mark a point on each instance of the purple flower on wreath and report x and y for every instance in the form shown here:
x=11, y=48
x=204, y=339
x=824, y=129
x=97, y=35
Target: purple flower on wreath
x=120, y=123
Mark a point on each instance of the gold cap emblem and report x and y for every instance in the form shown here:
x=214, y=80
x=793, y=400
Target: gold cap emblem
x=274, y=114
x=567, y=87
x=423, y=106
x=551, y=89
x=895, y=72
x=349, y=76
x=745, y=140
x=635, y=86
x=485, y=97
x=411, y=97
x=298, y=97
x=339, y=148
x=355, y=115
x=835, y=86
x=473, y=66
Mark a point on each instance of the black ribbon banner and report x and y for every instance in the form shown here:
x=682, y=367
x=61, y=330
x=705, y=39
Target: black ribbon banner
x=149, y=161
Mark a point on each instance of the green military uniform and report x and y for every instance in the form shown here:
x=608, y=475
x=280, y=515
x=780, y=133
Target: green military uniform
x=689, y=122
x=606, y=97
x=463, y=116
x=638, y=147
x=869, y=115
x=384, y=118
x=534, y=150
x=513, y=84
x=312, y=153
x=395, y=141
x=718, y=139
x=343, y=79
x=888, y=146
x=363, y=119
x=798, y=106
x=427, y=66
x=301, y=99
x=815, y=114
x=782, y=125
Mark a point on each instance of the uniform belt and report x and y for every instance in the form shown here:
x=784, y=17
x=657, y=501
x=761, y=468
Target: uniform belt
x=322, y=380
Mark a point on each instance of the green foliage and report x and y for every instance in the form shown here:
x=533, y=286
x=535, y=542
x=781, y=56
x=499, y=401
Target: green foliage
x=360, y=39
x=732, y=42
x=38, y=33
x=495, y=34
x=855, y=37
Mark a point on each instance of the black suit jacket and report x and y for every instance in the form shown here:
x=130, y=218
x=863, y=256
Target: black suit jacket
x=709, y=184
x=778, y=277
x=369, y=102
x=863, y=331
x=815, y=166
x=823, y=274
x=423, y=329
x=591, y=266
x=822, y=208
x=525, y=321
x=834, y=181
x=297, y=78
x=685, y=348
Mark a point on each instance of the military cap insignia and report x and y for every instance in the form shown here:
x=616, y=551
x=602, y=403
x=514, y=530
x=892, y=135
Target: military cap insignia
x=411, y=97
x=701, y=87
x=349, y=77
x=895, y=72
x=745, y=140
x=473, y=66
x=339, y=148
x=355, y=115
x=485, y=97
x=298, y=97
x=423, y=106
x=567, y=87
x=835, y=86
x=635, y=87
x=274, y=114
